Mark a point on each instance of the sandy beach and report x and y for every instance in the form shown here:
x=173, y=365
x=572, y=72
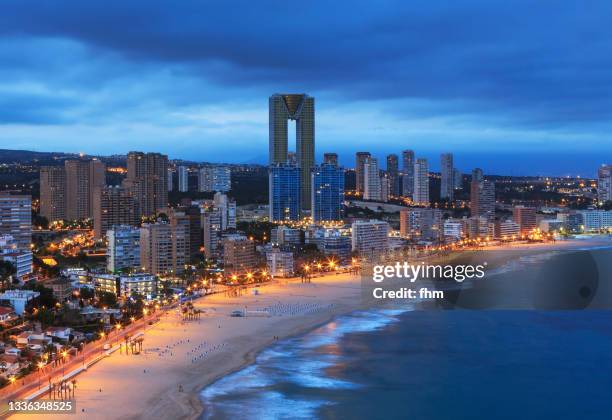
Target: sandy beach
x=192, y=354
x=180, y=358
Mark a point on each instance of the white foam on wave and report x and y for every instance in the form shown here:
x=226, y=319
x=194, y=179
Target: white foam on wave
x=300, y=361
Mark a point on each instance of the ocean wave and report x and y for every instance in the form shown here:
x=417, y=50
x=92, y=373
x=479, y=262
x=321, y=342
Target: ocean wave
x=266, y=389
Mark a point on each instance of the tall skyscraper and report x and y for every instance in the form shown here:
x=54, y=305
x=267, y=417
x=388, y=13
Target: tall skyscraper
x=360, y=160
x=482, y=196
x=371, y=179
x=330, y=158
x=447, y=181
x=408, y=169
x=53, y=192
x=77, y=189
x=183, y=179
x=327, y=192
x=420, y=192
x=285, y=192
x=83, y=177
x=16, y=219
x=393, y=172
x=147, y=177
x=301, y=108
x=113, y=205
x=604, y=183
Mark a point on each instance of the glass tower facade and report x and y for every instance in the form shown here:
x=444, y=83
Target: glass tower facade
x=285, y=192
x=327, y=192
x=298, y=107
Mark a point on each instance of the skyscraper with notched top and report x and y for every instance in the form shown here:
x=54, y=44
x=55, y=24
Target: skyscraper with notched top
x=301, y=109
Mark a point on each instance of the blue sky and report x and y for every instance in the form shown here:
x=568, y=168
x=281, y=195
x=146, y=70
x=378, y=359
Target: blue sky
x=513, y=87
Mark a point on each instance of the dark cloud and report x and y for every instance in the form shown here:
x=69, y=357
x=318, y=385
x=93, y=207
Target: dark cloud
x=545, y=61
x=521, y=65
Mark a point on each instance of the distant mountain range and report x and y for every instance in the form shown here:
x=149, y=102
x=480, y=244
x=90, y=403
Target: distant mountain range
x=46, y=158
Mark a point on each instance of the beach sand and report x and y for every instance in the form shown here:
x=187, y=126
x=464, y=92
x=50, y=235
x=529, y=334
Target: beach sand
x=193, y=354
x=201, y=351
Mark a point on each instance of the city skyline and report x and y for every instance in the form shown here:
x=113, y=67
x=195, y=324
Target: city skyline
x=480, y=90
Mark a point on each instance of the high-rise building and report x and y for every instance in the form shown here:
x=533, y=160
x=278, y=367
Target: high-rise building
x=457, y=179
x=285, y=192
x=330, y=158
x=370, y=238
x=327, y=192
x=171, y=172
x=421, y=224
x=215, y=178
x=525, y=217
x=211, y=228
x=447, y=180
x=371, y=180
x=393, y=173
x=420, y=192
x=77, y=189
x=385, y=188
x=604, y=183
x=156, y=248
x=227, y=210
x=183, y=178
x=16, y=219
x=239, y=254
x=20, y=258
x=147, y=177
x=113, y=205
x=194, y=214
x=301, y=108
x=408, y=169
x=180, y=228
x=53, y=192
x=360, y=160
x=123, y=250
x=482, y=196
x=83, y=178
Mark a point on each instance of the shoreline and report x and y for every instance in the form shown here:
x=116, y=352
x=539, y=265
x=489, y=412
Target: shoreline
x=250, y=357
x=147, y=386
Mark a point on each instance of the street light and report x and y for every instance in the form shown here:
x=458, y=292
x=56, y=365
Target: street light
x=64, y=354
x=40, y=366
x=145, y=311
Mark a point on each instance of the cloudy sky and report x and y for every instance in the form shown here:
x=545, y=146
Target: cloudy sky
x=513, y=87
